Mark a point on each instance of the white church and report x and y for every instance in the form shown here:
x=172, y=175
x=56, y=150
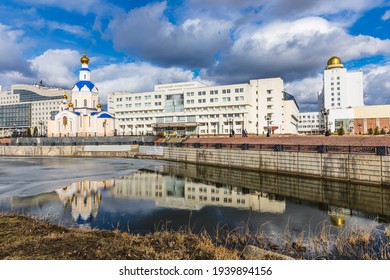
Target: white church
x=82, y=116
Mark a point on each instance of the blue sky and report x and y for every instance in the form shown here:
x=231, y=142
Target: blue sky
x=135, y=44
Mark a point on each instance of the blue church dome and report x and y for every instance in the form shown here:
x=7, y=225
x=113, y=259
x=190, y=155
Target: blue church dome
x=81, y=84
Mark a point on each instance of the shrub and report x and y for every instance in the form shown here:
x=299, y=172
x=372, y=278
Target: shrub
x=341, y=131
x=376, y=131
x=370, y=131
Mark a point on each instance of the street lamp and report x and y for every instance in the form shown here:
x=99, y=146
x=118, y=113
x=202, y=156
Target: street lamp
x=231, y=127
x=268, y=119
x=257, y=128
x=325, y=112
x=104, y=125
x=41, y=124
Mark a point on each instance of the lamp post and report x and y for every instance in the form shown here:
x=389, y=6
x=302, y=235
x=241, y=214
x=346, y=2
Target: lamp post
x=41, y=124
x=231, y=127
x=325, y=113
x=268, y=119
x=104, y=125
x=14, y=132
x=257, y=128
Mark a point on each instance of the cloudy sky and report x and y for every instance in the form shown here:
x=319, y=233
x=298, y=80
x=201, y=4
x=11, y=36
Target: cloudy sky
x=134, y=44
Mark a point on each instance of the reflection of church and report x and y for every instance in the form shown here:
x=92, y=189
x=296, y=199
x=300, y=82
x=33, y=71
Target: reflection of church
x=82, y=116
x=83, y=198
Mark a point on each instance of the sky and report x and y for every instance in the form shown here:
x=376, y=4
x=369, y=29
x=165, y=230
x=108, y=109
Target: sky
x=135, y=44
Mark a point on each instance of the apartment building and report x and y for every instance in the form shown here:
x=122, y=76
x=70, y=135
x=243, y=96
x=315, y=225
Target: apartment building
x=29, y=106
x=193, y=108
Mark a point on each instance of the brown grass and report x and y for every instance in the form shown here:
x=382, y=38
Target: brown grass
x=24, y=237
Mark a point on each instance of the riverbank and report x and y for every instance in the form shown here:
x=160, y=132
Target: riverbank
x=28, y=238
x=25, y=238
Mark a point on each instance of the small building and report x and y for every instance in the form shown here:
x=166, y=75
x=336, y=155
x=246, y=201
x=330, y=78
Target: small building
x=82, y=116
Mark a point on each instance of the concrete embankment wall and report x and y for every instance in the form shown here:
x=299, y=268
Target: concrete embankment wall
x=372, y=169
x=71, y=151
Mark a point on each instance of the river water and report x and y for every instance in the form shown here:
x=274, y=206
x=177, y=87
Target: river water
x=141, y=196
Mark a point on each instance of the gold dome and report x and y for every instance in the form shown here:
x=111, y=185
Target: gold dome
x=99, y=105
x=84, y=59
x=65, y=96
x=334, y=62
x=70, y=104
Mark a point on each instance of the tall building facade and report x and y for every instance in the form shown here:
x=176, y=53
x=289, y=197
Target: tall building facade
x=342, y=90
x=192, y=108
x=29, y=107
x=82, y=116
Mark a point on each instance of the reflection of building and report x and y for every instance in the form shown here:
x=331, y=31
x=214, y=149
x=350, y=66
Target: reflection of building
x=28, y=106
x=338, y=215
x=84, y=198
x=82, y=116
x=194, y=108
x=183, y=193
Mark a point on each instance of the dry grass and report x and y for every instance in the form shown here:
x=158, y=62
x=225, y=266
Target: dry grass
x=29, y=238
x=327, y=242
x=23, y=237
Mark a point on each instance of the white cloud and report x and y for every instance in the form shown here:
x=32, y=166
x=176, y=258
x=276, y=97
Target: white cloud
x=318, y=7
x=148, y=33
x=291, y=50
x=71, y=29
x=386, y=15
x=13, y=68
x=377, y=84
x=135, y=77
x=306, y=92
x=57, y=67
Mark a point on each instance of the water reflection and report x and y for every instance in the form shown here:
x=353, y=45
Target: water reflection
x=83, y=198
x=337, y=198
x=210, y=196
x=179, y=192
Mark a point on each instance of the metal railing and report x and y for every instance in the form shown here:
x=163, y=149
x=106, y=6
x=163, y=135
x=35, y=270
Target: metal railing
x=150, y=141
x=369, y=150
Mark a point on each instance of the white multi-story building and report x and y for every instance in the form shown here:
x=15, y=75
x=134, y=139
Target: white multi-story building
x=341, y=91
x=192, y=108
x=341, y=88
x=29, y=106
x=311, y=123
